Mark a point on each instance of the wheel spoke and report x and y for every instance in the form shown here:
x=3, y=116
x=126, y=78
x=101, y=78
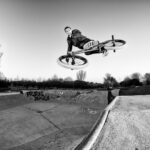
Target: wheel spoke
x=78, y=62
x=75, y=62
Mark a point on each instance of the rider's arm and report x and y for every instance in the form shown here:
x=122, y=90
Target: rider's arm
x=69, y=45
x=77, y=33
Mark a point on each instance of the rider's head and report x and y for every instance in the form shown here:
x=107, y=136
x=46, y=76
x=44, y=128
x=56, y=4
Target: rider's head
x=68, y=30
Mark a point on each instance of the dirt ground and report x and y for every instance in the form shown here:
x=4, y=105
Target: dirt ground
x=68, y=116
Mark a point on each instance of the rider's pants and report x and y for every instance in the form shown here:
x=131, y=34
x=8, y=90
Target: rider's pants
x=90, y=45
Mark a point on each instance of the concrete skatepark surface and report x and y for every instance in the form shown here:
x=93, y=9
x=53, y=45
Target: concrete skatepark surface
x=126, y=127
x=26, y=124
x=66, y=123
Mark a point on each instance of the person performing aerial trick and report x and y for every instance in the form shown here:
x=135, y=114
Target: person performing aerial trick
x=87, y=46
x=75, y=38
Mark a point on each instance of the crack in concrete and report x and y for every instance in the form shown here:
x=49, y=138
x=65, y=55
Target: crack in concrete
x=56, y=126
x=50, y=121
x=39, y=111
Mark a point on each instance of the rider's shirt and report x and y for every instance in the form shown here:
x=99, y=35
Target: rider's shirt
x=77, y=39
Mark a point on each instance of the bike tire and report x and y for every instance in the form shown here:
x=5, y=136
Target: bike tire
x=80, y=62
x=114, y=44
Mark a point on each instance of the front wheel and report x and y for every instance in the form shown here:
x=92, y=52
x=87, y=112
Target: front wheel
x=114, y=44
x=72, y=62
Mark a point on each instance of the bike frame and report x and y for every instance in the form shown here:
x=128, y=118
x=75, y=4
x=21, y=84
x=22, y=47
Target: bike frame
x=108, y=45
x=100, y=45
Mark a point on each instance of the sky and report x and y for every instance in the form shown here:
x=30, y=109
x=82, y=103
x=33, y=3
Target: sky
x=32, y=36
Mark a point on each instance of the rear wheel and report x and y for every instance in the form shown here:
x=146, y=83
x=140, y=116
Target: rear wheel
x=72, y=62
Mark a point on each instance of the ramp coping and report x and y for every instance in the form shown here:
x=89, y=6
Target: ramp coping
x=89, y=141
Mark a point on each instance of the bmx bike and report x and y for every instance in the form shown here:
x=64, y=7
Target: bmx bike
x=75, y=61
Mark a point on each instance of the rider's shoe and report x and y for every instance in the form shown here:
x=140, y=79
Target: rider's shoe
x=104, y=51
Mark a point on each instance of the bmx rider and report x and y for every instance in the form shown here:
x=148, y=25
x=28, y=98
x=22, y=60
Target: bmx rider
x=75, y=38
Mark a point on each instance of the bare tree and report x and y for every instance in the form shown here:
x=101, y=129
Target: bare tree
x=136, y=75
x=110, y=81
x=81, y=75
x=1, y=54
x=2, y=77
x=147, y=78
x=68, y=79
x=39, y=79
x=126, y=78
x=55, y=77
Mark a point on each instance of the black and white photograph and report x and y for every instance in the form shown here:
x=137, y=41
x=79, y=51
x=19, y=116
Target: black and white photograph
x=74, y=75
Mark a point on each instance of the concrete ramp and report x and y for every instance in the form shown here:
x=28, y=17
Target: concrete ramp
x=20, y=125
x=124, y=125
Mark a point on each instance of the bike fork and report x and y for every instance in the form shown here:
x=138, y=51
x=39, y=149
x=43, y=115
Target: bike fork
x=100, y=47
x=113, y=41
x=72, y=60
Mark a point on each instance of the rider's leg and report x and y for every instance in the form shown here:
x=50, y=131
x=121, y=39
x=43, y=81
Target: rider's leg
x=96, y=47
x=91, y=45
x=103, y=51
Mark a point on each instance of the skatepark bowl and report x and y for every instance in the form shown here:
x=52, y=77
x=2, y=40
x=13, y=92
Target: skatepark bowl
x=79, y=121
x=124, y=125
x=26, y=124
